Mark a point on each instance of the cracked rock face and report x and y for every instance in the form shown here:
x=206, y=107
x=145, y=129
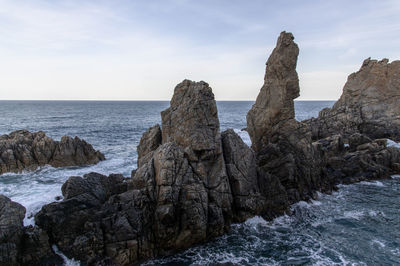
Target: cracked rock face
x=192, y=123
x=282, y=144
x=274, y=104
x=21, y=245
x=370, y=104
x=23, y=150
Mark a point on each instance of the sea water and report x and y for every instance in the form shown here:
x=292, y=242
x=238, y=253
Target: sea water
x=358, y=225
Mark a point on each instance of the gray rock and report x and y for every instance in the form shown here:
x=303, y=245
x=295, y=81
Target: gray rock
x=149, y=142
x=23, y=150
x=283, y=145
x=370, y=104
x=11, y=230
x=19, y=245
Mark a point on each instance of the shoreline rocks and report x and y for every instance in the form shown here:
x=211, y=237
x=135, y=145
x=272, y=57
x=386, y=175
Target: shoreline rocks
x=193, y=182
x=22, y=150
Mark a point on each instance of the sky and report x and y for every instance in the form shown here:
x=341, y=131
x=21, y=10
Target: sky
x=140, y=50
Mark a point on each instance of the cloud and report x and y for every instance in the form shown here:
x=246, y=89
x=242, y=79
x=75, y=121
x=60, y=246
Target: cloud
x=141, y=50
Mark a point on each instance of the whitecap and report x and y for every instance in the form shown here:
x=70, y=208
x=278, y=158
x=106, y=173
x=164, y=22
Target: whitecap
x=379, y=243
x=391, y=143
x=256, y=221
x=373, y=183
x=244, y=135
x=67, y=261
x=357, y=215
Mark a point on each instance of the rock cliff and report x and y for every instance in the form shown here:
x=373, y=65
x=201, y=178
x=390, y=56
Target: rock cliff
x=283, y=145
x=193, y=182
x=23, y=150
x=21, y=245
x=370, y=104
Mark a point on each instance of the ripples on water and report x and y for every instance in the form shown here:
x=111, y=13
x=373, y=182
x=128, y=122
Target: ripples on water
x=359, y=224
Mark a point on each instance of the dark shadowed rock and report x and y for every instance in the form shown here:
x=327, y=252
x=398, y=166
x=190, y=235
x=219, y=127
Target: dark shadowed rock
x=23, y=150
x=192, y=123
x=370, y=104
x=19, y=245
x=11, y=230
x=149, y=142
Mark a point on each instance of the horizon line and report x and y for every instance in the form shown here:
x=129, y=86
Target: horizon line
x=140, y=100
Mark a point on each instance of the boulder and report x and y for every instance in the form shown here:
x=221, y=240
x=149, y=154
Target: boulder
x=11, y=230
x=370, y=104
x=19, y=245
x=23, y=150
x=149, y=142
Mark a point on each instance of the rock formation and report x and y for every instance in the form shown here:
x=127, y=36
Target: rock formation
x=283, y=145
x=23, y=150
x=21, y=245
x=274, y=104
x=370, y=104
x=192, y=181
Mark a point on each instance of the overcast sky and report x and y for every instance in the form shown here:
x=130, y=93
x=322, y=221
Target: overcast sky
x=139, y=50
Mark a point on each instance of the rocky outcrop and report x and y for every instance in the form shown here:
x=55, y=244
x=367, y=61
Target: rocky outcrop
x=254, y=191
x=23, y=150
x=192, y=123
x=192, y=181
x=363, y=159
x=11, y=230
x=282, y=144
x=370, y=104
x=274, y=104
x=19, y=245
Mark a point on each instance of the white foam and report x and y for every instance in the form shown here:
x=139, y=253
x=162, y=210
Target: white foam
x=373, y=183
x=244, y=135
x=256, y=221
x=391, y=143
x=67, y=261
x=379, y=243
x=357, y=215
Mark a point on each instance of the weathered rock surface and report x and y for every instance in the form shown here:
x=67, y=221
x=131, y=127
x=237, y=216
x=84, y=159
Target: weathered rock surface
x=274, y=104
x=23, y=150
x=192, y=123
x=254, y=191
x=370, y=104
x=283, y=145
x=19, y=245
x=11, y=230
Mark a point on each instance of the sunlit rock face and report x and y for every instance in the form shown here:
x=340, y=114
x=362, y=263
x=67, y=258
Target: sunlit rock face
x=370, y=104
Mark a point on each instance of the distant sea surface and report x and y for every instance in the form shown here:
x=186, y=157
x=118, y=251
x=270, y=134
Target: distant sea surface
x=358, y=225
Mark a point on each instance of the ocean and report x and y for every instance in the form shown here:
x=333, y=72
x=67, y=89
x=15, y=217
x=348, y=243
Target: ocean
x=358, y=225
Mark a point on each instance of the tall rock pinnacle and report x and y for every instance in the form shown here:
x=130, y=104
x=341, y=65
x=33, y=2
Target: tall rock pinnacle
x=274, y=103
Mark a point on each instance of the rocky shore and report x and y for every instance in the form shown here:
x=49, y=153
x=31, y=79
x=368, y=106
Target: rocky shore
x=193, y=182
x=23, y=150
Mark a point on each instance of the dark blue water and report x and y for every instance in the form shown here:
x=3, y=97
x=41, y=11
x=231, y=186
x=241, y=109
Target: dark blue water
x=358, y=225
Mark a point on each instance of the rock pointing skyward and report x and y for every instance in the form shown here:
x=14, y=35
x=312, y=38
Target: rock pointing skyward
x=274, y=104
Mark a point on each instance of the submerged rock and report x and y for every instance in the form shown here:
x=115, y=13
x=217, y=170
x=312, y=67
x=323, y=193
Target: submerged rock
x=23, y=150
x=370, y=104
